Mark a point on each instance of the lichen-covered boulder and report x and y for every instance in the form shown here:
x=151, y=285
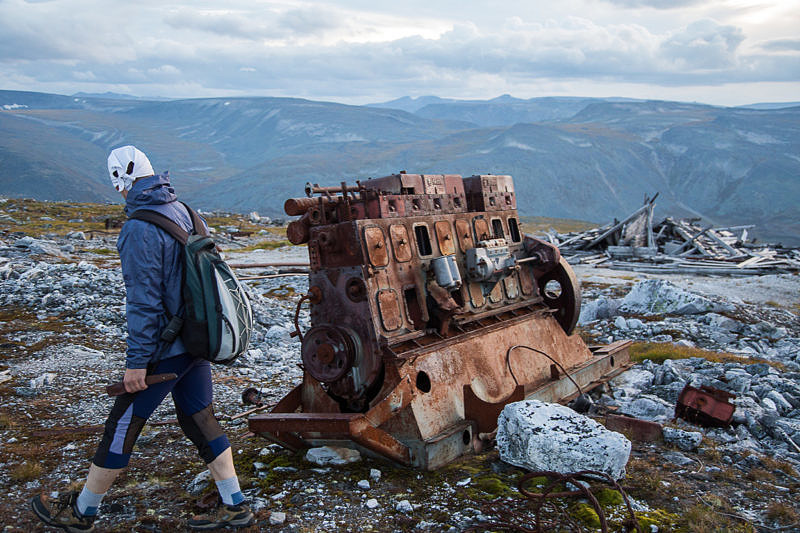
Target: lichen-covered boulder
x=543, y=436
x=657, y=297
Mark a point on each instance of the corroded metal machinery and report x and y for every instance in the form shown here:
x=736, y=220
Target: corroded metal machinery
x=430, y=311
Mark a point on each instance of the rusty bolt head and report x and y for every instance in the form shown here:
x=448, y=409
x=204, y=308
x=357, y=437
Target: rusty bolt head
x=315, y=295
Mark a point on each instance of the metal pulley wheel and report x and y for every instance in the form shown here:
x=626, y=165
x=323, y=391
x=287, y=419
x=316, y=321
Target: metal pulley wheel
x=329, y=352
x=561, y=291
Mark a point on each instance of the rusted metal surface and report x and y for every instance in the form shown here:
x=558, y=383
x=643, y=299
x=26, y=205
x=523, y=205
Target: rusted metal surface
x=635, y=428
x=406, y=356
x=706, y=406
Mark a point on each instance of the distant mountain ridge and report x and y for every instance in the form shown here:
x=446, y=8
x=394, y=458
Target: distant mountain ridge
x=582, y=158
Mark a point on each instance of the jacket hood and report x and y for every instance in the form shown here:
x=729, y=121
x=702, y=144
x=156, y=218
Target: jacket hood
x=151, y=190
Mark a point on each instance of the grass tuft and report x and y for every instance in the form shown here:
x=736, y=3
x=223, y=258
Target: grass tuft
x=26, y=472
x=782, y=513
x=658, y=352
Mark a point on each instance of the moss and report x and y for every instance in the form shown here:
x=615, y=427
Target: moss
x=264, y=245
x=92, y=217
x=659, y=352
x=585, y=513
x=492, y=484
x=103, y=251
x=283, y=292
x=536, y=484
x=663, y=520
x=608, y=497
x=562, y=225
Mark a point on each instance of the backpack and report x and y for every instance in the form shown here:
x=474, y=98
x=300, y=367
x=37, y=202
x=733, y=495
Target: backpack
x=218, y=320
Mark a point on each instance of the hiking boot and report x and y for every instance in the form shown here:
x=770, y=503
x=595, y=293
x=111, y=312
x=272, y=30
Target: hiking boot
x=62, y=513
x=225, y=516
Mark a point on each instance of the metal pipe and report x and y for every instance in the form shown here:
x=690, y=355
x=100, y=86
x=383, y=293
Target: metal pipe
x=266, y=265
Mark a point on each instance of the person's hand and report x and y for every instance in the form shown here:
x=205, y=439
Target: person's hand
x=134, y=379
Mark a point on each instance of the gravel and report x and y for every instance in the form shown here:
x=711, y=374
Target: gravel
x=63, y=331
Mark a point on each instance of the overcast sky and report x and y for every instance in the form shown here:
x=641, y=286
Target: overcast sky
x=726, y=52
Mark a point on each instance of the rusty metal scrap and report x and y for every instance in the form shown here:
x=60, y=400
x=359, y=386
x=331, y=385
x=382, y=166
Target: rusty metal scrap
x=419, y=285
x=706, y=406
x=635, y=428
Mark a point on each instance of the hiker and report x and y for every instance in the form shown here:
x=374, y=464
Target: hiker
x=152, y=269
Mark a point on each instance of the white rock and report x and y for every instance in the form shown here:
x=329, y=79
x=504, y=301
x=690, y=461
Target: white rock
x=277, y=518
x=620, y=323
x=42, y=380
x=332, y=455
x=372, y=503
x=685, y=440
x=768, y=403
x=363, y=484
x=199, y=483
x=24, y=242
x=278, y=333
x=598, y=309
x=648, y=407
x=780, y=402
x=404, y=506
x=634, y=323
x=374, y=474
x=542, y=436
x=632, y=381
x=656, y=296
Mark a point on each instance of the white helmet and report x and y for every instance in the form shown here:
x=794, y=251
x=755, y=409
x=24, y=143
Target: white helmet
x=125, y=164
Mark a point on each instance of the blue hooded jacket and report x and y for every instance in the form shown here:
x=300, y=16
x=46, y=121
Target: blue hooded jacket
x=152, y=267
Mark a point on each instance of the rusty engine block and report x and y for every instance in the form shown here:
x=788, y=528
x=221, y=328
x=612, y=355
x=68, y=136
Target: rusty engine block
x=430, y=311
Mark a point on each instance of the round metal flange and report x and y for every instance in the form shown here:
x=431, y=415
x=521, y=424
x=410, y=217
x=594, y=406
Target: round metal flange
x=561, y=291
x=329, y=352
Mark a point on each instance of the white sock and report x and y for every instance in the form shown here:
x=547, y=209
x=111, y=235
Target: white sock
x=229, y=491
x=88, y=502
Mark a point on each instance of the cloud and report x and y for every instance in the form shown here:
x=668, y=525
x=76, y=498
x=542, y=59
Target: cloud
x=704, y=45
x=657, y=4
x=781, y=45
x=285, y=47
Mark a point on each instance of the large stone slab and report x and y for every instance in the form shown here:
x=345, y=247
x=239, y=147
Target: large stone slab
x=657, y=296
x=543, y=436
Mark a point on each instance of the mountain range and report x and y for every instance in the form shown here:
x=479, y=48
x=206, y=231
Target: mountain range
x=583, y=158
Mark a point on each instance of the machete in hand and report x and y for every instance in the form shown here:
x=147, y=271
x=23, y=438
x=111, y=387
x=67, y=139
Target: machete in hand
x=115, y=389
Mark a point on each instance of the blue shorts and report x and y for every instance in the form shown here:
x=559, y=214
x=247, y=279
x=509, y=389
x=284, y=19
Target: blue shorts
x=192, y=394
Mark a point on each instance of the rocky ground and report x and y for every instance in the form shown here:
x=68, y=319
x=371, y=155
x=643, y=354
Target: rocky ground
x=62, y=340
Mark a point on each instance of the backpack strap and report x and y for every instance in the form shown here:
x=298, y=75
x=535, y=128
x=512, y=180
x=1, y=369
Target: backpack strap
x=163, y=222
x=198, y=226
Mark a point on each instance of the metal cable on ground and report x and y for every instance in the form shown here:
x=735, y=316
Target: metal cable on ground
x=547, y=496
x=508, y=363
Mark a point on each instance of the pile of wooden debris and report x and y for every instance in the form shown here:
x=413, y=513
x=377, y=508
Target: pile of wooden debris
x=673, y=246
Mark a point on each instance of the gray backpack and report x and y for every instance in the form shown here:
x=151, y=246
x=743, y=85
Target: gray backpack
x=218, y=319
